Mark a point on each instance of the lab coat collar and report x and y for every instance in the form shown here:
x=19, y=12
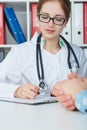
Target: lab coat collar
x=62, y=43
x=35, y=36
x=34, y=39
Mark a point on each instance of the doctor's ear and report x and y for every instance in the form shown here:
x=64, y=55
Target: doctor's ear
x=67, y=21
x=65, y=24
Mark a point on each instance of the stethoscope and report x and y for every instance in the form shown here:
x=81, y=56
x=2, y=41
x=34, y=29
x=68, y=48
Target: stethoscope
x=40, y=70
x=74, y=55
x=39, y=63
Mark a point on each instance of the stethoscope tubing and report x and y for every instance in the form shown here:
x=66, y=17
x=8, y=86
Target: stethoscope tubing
x=39, y=61
x=74, y=55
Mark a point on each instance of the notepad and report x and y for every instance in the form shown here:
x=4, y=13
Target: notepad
x=40, y=99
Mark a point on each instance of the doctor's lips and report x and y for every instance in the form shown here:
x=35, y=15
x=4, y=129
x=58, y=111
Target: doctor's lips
x=50, y=31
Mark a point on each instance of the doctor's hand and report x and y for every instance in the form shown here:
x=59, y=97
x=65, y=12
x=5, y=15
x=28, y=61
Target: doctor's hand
x=27, y=91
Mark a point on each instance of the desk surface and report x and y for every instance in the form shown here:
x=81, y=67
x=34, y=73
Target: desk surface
x=40, y=117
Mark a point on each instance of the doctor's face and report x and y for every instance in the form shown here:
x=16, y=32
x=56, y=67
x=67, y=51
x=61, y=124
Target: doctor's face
x=52, y=19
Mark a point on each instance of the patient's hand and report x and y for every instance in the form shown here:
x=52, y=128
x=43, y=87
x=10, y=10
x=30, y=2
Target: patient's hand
x=66, y=91
x=75, y=75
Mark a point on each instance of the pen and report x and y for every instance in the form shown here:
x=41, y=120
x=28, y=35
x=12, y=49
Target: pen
x=25, y=78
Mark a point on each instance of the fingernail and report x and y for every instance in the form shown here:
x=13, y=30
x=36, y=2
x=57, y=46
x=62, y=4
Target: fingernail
x=52, y=95
x=38, y=92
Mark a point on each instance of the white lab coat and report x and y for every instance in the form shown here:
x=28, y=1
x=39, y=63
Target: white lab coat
x=22, y=59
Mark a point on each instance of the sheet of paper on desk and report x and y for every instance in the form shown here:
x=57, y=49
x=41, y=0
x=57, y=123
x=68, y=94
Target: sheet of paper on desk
x=41, y=99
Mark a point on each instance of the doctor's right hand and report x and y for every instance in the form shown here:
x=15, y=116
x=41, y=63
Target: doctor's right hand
x=27, y=91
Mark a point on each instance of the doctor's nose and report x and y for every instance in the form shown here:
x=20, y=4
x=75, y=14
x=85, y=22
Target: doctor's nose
x=50, y=23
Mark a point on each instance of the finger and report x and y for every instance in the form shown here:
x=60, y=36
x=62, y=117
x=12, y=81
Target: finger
x=75, y=75
x=68, y=103
x=71, y=108
x=33, y=88
x=28, y=94
x=57, y=92
x=63, y=98
x=72, y=75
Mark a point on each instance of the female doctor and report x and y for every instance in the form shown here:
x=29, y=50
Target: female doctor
x=46, y=59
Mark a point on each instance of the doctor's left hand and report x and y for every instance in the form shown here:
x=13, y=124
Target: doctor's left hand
x=27, y=91
x=65, y=100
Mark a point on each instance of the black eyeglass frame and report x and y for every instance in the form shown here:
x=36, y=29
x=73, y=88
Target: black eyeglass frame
x=50, y=18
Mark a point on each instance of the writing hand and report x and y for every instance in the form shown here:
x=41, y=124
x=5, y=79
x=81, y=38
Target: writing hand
x=27, y=91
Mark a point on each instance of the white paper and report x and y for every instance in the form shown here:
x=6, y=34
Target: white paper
x=46, y=98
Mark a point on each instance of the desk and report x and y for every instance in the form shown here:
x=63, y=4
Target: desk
x=40, y=117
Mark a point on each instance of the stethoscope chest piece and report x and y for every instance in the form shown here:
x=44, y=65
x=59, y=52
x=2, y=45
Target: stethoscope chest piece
x=43, y=86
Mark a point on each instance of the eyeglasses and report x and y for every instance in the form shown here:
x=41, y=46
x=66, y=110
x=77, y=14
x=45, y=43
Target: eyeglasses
x=58, y=20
